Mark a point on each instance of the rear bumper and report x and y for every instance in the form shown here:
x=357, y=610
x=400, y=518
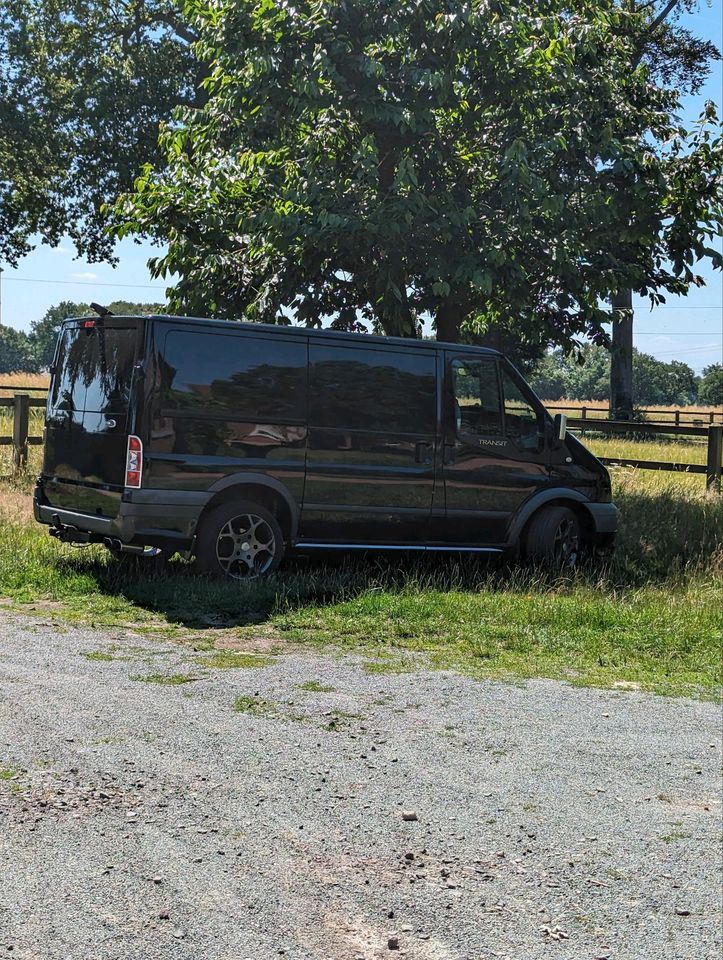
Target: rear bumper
x=155, y=518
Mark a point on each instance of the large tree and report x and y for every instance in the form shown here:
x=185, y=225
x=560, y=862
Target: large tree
x=677, y=58
x=84, y=85
x=477, y=162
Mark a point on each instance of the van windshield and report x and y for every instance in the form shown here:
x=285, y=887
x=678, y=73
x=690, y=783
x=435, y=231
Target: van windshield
x=94, y=368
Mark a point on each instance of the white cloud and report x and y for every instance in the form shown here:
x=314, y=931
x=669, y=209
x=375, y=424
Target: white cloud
x=62, y=251
x=86, y=276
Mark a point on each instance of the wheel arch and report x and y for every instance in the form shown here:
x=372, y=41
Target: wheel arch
x=562, y=497
x=267, y=491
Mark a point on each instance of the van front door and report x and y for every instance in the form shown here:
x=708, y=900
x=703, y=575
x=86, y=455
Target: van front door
x=494, y=454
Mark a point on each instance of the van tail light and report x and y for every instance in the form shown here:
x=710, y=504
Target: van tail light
x=134, y=462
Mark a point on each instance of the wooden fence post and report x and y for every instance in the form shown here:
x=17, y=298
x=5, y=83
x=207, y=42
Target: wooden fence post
x=20, y=430
x=715, y=454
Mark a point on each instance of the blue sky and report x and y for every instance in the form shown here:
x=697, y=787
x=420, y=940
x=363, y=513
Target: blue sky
x=686, y=328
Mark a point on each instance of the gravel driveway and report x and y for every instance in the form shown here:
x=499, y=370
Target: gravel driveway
x=239, y=816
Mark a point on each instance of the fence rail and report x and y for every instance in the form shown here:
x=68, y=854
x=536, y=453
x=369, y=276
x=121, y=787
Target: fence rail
x=20, y=440
x=712, y=469
x=15, y=388
x=677, y=417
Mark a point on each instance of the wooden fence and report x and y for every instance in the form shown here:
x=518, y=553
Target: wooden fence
x=21, y=404
x=712, y=468
x=677, y=418
x=20, y=439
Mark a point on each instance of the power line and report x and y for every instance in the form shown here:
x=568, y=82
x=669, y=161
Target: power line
x=87, y=283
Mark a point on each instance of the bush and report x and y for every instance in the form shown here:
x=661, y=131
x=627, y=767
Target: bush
x=710, y=390
x=16, y=352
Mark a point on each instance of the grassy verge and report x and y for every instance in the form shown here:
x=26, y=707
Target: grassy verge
x=650, y=618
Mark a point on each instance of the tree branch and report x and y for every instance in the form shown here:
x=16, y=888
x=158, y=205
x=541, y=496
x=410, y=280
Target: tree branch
x=663, y=15
x=179, y=28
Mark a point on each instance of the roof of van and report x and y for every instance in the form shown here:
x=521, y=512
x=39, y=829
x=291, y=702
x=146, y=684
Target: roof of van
x=296, y=331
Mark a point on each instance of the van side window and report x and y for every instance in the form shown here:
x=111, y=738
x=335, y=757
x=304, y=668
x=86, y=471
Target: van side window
x=355, y=388
x=234, y=377
x=477, y=405
x=523, y=423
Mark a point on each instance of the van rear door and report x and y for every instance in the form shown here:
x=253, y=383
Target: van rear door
x=88, y=413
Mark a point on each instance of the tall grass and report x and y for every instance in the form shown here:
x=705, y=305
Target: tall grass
x=648, y=616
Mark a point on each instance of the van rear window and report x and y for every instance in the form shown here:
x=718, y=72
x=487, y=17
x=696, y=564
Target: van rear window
x=94, y=368
x=236, y=377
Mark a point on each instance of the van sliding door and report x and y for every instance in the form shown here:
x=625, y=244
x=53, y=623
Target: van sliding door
x=371, y=448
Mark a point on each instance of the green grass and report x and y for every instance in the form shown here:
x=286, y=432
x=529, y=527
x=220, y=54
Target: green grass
x=7, y=773
x=98, y=655
x=165, y=679
x=649, y=617
x=255, y=706
x=313, y=686
x=231, y=660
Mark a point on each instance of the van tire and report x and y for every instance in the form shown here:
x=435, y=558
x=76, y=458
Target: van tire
x=553, y=539
x=239, y=540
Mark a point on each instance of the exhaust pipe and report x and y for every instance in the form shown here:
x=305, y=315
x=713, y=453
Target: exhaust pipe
x=117, y=546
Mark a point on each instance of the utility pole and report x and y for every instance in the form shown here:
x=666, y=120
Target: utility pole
x=621, y=357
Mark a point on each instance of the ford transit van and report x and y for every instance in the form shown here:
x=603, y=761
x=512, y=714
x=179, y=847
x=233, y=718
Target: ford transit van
x=238, y=443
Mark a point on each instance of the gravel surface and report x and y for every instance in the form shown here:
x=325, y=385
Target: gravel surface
x=423, y=815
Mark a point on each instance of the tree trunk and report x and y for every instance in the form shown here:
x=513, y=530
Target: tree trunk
x=494, y=338
x=448, y=322
x=621, y=357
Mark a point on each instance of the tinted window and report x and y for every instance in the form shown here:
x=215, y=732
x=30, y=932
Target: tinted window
x=355, y=388
x=94, y=368
x=68, y=391
x=477, y=404
x=522, y=422
x=238, y=377
x=109, y=368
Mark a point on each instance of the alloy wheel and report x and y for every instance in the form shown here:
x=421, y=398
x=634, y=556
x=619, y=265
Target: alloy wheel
x=567, y=544
x=246, y=547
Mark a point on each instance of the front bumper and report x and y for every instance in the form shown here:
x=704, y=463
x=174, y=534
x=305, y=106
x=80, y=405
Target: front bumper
x=604, y=518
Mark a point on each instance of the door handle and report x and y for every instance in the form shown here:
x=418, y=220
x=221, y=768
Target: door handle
x=448, y=454
x=423, y=452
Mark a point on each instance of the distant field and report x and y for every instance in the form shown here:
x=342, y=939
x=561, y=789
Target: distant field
x=15, y=380
x=662, y=412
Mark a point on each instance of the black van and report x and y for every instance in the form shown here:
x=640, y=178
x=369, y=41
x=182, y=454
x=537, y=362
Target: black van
x=238, y=442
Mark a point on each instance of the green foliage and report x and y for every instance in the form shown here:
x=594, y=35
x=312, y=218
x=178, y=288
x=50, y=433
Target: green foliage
x=710, y=390
x=480, y=165
x=16, y=352
x=673, y=53
x=586, y=376
x=83, y=87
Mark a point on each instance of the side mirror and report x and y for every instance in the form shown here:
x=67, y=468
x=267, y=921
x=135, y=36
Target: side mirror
x=560, y=426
